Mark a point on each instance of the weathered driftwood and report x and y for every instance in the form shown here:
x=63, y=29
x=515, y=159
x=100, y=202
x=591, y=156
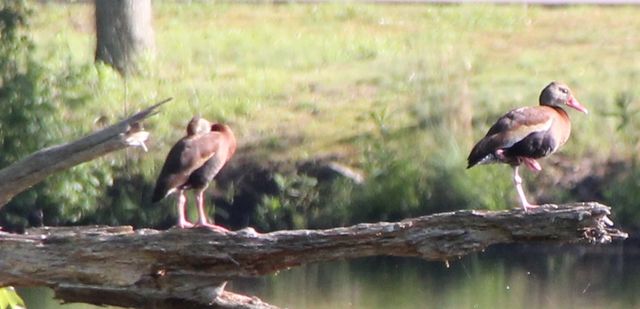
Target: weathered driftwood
x=36, y=167
x=176, y=268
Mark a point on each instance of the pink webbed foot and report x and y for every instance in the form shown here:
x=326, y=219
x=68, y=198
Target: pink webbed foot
x=528, y=206
x=212, y=227
x=532, y=164
x=184, y=224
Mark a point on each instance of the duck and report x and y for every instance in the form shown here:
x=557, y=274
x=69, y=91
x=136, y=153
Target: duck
x=526, y=134
x=191, y=164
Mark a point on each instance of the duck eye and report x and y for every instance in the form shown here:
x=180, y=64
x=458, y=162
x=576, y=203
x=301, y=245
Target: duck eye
x=564, y=90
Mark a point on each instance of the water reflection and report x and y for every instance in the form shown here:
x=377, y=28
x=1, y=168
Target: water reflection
x=502, y=277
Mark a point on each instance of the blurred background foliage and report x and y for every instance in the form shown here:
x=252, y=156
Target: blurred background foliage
x=399, y=93
x=39, y=98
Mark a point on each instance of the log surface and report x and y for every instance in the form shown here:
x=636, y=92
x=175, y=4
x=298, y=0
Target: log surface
x=164, y=269
x=27, y=172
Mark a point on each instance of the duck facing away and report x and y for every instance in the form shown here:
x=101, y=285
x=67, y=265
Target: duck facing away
x=192, y=163
x=528, y=133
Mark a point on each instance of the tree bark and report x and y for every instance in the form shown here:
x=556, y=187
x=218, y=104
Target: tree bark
x=183, y=267
x=36, y=167
x=124, y=32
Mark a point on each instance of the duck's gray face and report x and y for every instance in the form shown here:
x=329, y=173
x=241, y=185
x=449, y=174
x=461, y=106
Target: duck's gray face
x=558, y=94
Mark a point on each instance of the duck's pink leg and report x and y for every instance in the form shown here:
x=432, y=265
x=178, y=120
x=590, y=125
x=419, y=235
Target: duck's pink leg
x=182, y=220
x=203, y=219
x=517, y=181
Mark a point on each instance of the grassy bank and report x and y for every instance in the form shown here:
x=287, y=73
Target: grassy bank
x=402, y=91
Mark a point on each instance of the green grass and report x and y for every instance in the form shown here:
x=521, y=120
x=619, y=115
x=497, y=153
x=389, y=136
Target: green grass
x=309, y=80
x=270, y=69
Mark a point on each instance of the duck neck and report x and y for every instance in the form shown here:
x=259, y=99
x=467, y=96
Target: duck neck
x=561, y=111
x=558, y=109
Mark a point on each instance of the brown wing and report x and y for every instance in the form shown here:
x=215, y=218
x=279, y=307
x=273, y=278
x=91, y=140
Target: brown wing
x=186, y=156
x=510, y=129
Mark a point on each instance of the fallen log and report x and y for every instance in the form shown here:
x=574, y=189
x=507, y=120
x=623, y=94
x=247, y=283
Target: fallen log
x=27, y=172
x=185, y=268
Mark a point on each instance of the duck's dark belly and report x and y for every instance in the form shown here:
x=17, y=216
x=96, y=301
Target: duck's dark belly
x=198, y=179
x=535, y=145
x=201, y=177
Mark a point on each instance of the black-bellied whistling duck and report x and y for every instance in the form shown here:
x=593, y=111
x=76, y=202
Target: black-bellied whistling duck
x=528, y=133
x=192, y=163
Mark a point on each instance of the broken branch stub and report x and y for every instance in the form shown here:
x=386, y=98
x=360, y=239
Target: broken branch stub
x=27, y=172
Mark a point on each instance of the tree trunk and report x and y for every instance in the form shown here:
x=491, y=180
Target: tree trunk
x=27, y=172
x=182, y=268
x=124, y=32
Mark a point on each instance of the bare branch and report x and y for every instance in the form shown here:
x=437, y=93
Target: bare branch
x=161, y=269
x=36, y=167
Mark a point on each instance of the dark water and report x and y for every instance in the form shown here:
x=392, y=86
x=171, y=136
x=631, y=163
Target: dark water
x=502, y=277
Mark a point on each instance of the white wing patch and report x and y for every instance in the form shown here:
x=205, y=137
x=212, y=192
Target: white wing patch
x=523, y=131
